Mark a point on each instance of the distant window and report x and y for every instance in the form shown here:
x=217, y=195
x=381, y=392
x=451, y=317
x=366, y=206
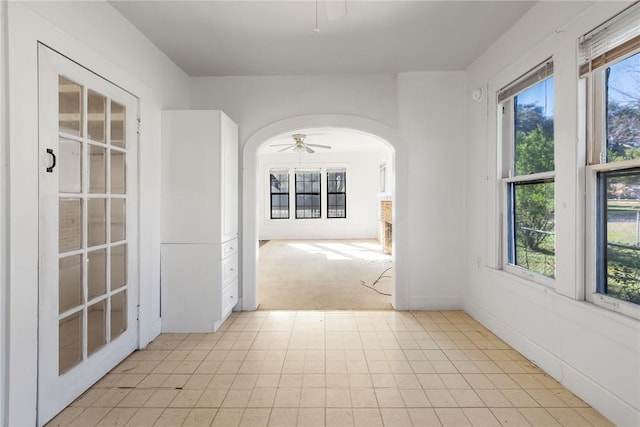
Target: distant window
x=336, y=193
x=610, y=66
x=307, y=194
x=279, y=194
x=528, y=172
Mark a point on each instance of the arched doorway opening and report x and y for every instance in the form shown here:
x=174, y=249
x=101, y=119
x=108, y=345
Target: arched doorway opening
x=321, y=201
x=253, y=183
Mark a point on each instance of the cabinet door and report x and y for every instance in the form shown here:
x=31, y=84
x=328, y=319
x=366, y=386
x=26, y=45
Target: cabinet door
x=229, y=190
x=190, y=289
x=190, y=177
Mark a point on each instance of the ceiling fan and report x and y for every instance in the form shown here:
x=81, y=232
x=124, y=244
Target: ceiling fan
x=299, y=145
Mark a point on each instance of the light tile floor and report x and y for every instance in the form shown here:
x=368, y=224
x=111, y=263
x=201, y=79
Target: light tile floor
x=330, y=368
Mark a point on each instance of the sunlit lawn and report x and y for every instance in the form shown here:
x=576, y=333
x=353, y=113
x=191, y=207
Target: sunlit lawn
x=623, y=273
x=623, y=262
x=542, y=261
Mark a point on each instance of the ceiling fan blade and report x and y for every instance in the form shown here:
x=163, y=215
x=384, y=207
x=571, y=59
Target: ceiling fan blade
x=309, y=150
x=319, y=145
x=286, y=148
x=278, y=145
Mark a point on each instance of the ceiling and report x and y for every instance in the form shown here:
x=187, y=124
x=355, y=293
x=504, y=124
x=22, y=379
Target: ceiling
x=240, y=38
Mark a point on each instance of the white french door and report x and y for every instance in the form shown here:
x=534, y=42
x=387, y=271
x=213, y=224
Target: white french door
x=88, y=266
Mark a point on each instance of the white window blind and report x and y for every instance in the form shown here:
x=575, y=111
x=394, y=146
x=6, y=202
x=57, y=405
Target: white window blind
x=613, y=40
x=534, y=76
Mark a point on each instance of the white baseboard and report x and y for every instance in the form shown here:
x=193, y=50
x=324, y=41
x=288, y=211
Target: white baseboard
x=616, y=410
x=435, y=303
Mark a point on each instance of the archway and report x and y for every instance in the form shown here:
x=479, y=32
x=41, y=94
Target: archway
x=250, y=184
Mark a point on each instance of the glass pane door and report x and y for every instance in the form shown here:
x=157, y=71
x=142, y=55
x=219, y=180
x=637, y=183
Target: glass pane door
x=88, y=195
x=92, y=285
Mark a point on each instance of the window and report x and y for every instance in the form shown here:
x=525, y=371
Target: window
x=279, y=194
x=527, y=119
x=610, y=69
x=383, y=177
x=336, y=193
x=307, y=194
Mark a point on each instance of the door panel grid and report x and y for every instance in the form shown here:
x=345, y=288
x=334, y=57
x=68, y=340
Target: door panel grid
x=84, y=226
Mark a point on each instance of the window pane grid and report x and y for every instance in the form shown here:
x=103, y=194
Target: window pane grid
x=623, y=110
x=308, y=195
x=618, y=271
x=529, y=173
x=336, y=195
x=96, y=166
x=614, y=130
x=279, y=195
x=532, y=227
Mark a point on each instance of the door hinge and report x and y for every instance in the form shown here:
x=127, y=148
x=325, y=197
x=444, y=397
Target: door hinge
x=139, y=121
x=138, y=312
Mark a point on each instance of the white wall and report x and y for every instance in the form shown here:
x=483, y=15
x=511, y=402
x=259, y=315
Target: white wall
x=267, y=106
x=425, y=113
x=362, y=197
x=4, y=141
x=590, y=350
x=431, y=116
x=254, y=102
x=96, y=36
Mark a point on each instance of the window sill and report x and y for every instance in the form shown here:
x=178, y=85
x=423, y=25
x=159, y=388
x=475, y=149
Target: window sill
x=530, y=276
x=614, y=305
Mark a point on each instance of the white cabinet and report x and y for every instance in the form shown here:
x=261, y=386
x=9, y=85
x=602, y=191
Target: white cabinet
x=199, y=220
x=199, y=177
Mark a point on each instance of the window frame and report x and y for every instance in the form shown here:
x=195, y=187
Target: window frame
x=344, y=192
x=507, y=179
x=593, y=84
x=593, y=251
x=318, y=194
x=288, y=193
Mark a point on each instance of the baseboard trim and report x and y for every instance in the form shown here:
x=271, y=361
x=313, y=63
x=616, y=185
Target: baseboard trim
x=616, y=410
x=435, y=303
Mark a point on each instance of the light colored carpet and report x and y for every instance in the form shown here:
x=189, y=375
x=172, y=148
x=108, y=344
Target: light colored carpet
x=324, y=275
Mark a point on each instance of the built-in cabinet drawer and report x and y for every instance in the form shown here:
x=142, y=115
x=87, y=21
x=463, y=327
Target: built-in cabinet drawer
x=229, y=248
x=230, y=296
x=229, y=268
x=229, y=272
